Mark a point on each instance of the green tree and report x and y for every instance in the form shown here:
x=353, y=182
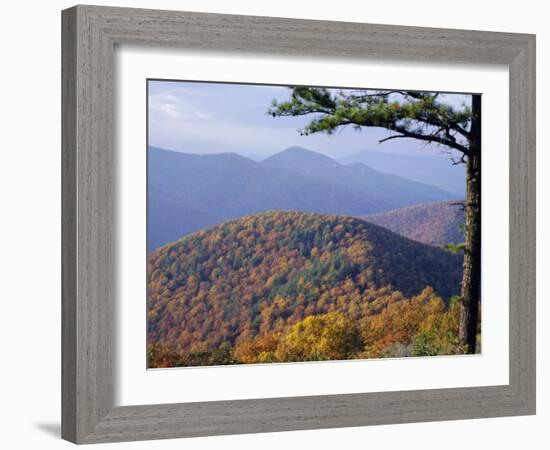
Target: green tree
x=416, y=115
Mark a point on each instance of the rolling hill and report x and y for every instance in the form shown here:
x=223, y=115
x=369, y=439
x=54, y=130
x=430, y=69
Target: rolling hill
x=431, y=223
x=187, y=192
x=235, y=281
x=433, y=170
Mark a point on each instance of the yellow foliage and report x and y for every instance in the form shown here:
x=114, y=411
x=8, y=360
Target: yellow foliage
x=330, y=336
x=403, y=322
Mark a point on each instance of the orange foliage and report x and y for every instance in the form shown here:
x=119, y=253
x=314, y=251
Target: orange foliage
x=289, y=286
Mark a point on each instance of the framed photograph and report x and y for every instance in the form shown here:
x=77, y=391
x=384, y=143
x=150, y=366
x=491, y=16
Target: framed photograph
x=265, y=229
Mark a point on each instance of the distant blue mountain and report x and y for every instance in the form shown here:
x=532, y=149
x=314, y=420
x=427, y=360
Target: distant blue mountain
x=187, y=192
x=433, y=170
x=383, y=188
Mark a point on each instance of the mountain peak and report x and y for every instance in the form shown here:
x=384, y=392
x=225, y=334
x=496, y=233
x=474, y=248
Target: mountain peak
x=299, y=157
x=297, y=150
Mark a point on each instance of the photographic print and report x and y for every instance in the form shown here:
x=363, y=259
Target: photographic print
x=289, y=224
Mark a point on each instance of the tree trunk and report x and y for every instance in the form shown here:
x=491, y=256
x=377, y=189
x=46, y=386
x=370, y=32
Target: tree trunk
x=471, y=277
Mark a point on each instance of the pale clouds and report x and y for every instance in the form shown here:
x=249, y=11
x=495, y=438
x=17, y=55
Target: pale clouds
x=199, y=117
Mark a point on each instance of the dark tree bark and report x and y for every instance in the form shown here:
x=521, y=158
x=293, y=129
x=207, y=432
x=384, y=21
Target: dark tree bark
x=471, y=277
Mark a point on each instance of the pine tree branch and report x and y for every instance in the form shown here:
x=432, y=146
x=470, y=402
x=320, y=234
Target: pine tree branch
x=427, y=138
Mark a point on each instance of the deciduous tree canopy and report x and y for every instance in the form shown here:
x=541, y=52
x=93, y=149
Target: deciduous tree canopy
x=271, y=284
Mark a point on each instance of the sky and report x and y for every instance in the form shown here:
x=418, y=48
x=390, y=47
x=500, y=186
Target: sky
x=196, y=117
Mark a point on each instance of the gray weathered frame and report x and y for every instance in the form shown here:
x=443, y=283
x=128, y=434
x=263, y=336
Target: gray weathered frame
x=89, y=36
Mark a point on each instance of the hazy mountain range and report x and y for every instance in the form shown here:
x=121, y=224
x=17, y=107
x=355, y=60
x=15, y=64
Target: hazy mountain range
x=187, y=192
x=434, y=170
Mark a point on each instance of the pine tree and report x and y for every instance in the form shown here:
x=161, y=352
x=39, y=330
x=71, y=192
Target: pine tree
x=416, y=115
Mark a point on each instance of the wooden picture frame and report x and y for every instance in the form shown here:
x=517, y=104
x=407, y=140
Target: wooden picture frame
x=90, y=34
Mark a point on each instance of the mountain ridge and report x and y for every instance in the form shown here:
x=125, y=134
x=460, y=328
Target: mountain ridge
x=431, y=223
x=187, y=192
x=435, y=170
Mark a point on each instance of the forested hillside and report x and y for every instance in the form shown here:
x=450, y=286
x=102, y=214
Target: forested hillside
x=269, y=287
x=431, y=223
